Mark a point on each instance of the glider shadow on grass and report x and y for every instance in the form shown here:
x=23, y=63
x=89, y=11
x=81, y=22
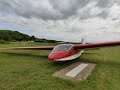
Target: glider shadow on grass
x=93, y=53
x=95, y=60
x=66, y=63
x=100, y=61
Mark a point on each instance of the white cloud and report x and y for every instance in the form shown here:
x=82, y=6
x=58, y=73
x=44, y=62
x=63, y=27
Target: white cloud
x=56, y=20
x=115, y=12
x=96, y=11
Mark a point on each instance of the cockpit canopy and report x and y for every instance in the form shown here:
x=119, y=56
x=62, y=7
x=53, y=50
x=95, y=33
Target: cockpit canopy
x=64, y=47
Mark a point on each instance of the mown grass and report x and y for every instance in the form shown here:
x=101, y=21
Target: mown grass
x=31, y=70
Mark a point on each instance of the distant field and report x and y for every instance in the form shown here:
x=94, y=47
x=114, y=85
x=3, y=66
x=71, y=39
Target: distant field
x=31, y=70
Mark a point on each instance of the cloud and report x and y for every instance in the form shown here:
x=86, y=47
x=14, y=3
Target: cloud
x=68, y=20
x=28, y=8
x=56, y=9
x=68, y=7
x=115, y=12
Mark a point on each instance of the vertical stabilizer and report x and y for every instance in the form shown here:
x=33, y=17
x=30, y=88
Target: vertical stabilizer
x=82, y=41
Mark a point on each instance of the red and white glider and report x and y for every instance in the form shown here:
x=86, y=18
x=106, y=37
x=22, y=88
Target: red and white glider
x=64, y=52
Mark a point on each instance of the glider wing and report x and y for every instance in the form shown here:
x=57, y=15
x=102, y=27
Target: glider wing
x=30, y=48
x=84, y=46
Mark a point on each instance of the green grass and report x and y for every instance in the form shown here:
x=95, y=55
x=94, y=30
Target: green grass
x=31, y=70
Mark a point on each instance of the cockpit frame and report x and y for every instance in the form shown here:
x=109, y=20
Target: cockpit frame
x=63, y=47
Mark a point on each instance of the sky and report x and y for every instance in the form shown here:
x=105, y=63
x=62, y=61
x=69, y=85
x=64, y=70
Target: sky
x=66, y=20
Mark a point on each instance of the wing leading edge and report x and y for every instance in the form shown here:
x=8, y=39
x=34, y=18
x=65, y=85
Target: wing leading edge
x=84, y=46
x=30, y=48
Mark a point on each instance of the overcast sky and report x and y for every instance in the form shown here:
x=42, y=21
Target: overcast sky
x=68, y=20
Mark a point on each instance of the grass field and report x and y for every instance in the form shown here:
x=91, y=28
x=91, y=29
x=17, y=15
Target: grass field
x=31, y=70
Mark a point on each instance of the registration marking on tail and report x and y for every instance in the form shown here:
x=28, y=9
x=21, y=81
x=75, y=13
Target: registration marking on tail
x=76, y=70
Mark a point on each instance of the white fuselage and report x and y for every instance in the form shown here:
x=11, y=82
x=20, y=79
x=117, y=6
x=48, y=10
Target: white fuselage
x=71, y=57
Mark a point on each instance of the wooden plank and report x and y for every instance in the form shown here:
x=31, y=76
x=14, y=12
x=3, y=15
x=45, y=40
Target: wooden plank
x=76, y=72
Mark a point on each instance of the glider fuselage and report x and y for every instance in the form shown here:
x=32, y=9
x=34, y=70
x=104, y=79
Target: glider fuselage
x=64, y=52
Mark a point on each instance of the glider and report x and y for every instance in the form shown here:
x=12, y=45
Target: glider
x=64, y=52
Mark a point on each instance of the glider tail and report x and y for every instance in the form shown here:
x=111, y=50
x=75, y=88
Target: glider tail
x=83, y=41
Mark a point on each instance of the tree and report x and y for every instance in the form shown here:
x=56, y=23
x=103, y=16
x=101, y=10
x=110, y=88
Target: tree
x=8, y=35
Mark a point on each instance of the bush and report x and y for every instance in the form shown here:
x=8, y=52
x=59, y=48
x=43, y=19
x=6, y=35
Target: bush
x=4, y=42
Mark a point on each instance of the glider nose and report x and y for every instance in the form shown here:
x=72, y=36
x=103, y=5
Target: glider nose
x=57, y=55
x=52, y=57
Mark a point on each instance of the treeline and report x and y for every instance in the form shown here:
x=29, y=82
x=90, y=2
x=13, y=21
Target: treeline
x=12, y=36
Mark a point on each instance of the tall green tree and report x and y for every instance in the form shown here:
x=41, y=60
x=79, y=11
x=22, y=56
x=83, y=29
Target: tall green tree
x=8, y=35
